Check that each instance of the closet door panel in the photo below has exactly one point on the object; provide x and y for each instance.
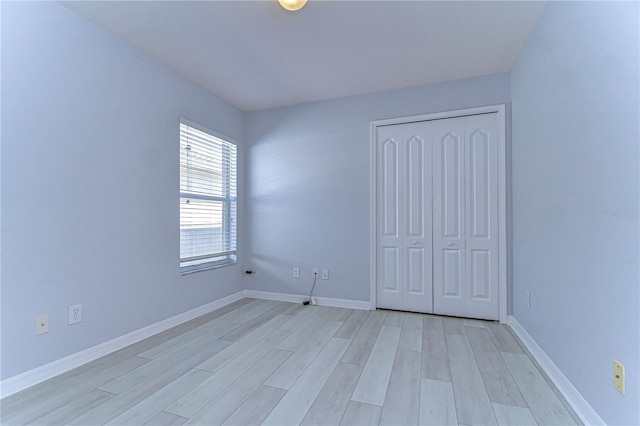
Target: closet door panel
(416, 278)
(482, 215)
(451, 180)
(478, 179)
(418, 289)
(479, 274)
(451, 273)
(389, 199)
(448, 217)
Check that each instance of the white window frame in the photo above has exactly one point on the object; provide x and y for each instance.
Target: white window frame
(215, 258)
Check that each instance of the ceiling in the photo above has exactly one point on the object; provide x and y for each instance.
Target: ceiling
(256, 55)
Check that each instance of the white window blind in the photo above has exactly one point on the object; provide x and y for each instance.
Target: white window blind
(208, 198)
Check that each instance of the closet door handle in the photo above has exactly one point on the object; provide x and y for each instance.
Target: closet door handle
(450, 244)
(415, 242)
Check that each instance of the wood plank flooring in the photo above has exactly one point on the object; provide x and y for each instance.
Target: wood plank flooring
(277, 363)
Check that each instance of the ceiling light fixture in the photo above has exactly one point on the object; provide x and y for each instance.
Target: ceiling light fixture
(292, 5)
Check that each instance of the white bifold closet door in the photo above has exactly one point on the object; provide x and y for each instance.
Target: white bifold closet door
(404, 249)
(437, 217)
(465, 217)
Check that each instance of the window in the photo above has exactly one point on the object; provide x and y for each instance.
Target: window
(208, 199)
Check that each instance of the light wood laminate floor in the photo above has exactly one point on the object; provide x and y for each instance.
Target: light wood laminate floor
(277, 363)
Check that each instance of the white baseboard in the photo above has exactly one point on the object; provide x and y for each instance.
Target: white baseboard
(280, 297)
(37, 375)
(299, 298)
(581, 407)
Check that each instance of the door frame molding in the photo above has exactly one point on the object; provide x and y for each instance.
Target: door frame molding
(502, 193)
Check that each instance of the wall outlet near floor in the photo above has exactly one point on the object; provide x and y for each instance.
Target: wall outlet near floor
(42, 324)
(315, 272)
(324, 274)
(527, 299)
(618, 376)
(296, 272)
(75, 314)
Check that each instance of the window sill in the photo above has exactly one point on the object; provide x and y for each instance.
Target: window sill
(186, 270)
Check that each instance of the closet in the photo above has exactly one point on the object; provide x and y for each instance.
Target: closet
(437, 216)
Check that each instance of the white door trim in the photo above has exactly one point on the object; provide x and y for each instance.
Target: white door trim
(502, 193)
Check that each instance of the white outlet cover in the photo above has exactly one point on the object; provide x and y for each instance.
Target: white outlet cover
(325, 274)
(75, 314)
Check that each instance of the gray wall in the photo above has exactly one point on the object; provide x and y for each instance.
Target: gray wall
(575, 196)
(307, 183)
(90, 185)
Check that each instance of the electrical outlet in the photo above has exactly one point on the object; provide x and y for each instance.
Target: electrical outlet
(324, 274)
(618, 376)
(75, 314)
(527, 299)
(296, 272)
(42, 324)
(315, 272)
